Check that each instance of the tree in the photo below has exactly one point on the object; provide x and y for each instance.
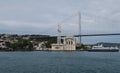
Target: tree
(23, 44)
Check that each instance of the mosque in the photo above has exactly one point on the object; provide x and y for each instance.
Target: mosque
(69, 42)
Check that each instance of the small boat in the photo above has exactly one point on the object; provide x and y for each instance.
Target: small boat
(101, 48)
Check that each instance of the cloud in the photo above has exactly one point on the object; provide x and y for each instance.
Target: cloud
(17, 24)
(25, 27)
(98, 16)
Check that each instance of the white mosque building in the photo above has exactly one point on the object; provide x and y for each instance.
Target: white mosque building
(69, 42)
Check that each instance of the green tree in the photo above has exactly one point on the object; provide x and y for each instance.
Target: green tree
(23, 45)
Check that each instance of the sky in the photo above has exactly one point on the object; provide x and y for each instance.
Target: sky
(43, 16)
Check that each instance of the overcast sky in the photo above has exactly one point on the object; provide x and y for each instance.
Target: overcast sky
(42, 16)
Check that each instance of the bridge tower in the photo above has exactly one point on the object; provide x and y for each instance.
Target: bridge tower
(79, 28)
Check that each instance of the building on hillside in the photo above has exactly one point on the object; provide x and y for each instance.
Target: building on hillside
(40, 46)
(2, 44)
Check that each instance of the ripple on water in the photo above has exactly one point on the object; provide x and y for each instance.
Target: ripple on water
(59, 62)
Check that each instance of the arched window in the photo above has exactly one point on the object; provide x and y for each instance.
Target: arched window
(71, 42)
(67, 42)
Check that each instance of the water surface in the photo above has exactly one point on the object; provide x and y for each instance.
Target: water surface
(59, 62)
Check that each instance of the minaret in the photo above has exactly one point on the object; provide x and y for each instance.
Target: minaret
(59, 34)
(79, 28)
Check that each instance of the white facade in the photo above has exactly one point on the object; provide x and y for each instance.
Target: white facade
(40, 46)
(2, 44)
(57, 47)
(68, 44)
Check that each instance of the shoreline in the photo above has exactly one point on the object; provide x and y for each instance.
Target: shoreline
(64, 51)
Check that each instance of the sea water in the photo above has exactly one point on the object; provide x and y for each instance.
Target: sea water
(59, 62)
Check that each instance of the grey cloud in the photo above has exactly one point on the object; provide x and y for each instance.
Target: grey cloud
(99, 15)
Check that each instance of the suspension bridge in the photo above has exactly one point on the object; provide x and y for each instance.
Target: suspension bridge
(91, 35)
(80, 35)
